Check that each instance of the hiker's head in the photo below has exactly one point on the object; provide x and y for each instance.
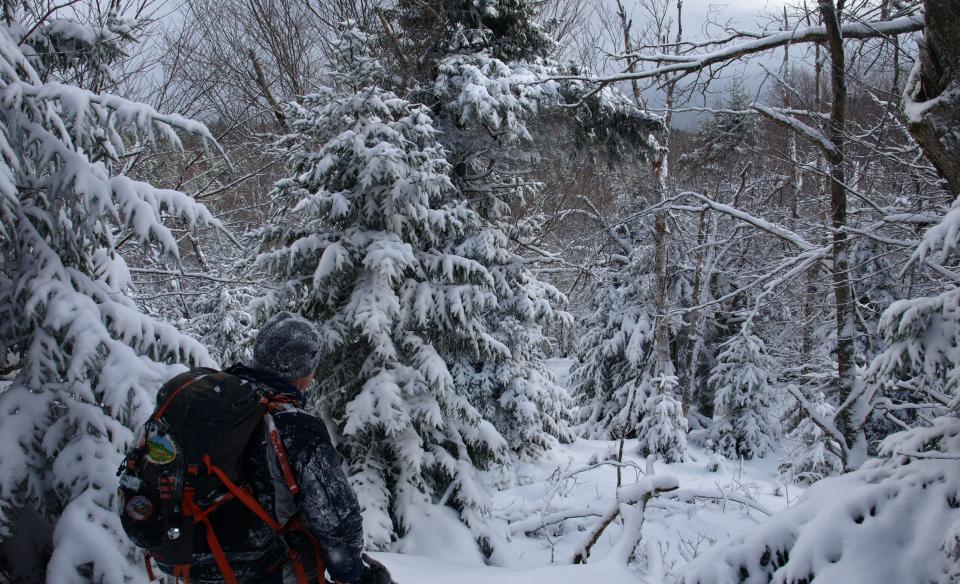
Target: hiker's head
(288, 346)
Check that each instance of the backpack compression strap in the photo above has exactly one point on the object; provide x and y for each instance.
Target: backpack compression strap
(163, 407)
(254, 506)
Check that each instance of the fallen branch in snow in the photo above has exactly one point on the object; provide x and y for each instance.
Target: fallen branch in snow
(630, 502)
(535, 523)
(681, 495)
(619, 465)
(927, 455)
(689, 494)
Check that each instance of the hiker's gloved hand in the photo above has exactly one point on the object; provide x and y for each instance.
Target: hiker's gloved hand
(374, 572)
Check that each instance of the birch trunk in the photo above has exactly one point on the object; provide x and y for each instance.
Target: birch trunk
(855, 447)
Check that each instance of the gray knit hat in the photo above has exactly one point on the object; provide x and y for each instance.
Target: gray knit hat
(287, 346)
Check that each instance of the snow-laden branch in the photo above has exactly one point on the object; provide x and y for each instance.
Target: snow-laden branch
(941, 238)
(824, 423)
(690, 494)
(190, 275)
(809, 132)
(539, 522)
(614, 463)
(746, 112)
(637, 495)
(777, 230)
(689, 64)
(927, 455)
(78, 101)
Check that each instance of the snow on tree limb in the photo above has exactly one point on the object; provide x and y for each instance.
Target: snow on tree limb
(637, 494)
(810, 34)
(776, 230)
(813, 413)
(811, 133)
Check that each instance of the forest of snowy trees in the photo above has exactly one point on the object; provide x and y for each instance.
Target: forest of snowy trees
(738, 233)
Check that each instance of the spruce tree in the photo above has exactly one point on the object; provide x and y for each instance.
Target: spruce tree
(742, 382)
(88, 363)
(377, 245)
(616, 382)
(481, 77)
(811, 454)
(614, 356)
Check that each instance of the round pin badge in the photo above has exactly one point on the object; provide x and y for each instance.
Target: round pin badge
(161, 450)
(139, 508)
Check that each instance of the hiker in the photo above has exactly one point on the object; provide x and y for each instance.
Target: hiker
(232, 481)
(285, 355)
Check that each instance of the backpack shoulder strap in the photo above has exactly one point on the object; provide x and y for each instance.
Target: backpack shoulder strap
(281, 452)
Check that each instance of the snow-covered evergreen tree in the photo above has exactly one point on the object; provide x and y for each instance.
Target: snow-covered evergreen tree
(486, 80)
(224, 324)
(614, 380)
(89, 362)
(503, 29)
(613, 355)
(743, 421)
(663, 427)
(381, 250)
(811, 454)
(515, 391)
(729, 134)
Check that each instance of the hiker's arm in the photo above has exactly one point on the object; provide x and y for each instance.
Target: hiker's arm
(330, 510)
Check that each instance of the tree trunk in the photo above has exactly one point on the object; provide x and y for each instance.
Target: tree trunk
(661, 334)
(695, 336)
(661, 338)
(842, 288)
(932, 94)
(627, 26)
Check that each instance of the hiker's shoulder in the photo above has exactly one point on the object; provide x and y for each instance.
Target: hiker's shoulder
(268, 385)
(294, 421)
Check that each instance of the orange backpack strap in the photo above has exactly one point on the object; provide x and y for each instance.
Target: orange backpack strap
(181, 573)
(146, 560)
(281, 453)
(295, 524)
(243, 496)
(273, 404)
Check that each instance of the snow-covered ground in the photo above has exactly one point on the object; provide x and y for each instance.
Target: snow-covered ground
(573, 481)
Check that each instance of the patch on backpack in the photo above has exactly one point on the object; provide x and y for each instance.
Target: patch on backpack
(161, 450)
(139, 508)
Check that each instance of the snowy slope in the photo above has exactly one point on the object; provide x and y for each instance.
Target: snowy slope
(409, 569)
(572, 481)
(681, 529)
